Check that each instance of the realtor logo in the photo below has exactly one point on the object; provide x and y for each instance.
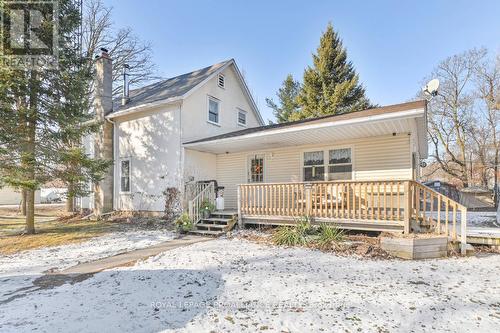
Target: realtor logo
(29, 32)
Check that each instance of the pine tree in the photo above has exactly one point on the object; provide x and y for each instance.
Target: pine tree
(331, 86)
(288, 105)
(46, 115)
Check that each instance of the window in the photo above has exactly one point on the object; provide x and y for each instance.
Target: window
(256, 167)
(314, 168)
(125, 176)
(339, 165)
(213, 110)
(242, 118)
(221, 81)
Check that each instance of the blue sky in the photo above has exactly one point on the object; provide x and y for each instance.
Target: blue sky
(392, 44)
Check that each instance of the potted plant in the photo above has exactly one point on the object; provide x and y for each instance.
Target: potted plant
(184, 224)
(207, 208)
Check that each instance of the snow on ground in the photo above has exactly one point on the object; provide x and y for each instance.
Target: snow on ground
(19, 270)
(238, 286)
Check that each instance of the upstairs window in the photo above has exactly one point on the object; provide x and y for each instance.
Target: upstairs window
(221, 81)
(242, 118)
(213, 110)
(125, 176)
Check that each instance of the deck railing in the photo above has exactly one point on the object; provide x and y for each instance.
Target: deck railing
(207, 193)
(392, 202)
(435, 210)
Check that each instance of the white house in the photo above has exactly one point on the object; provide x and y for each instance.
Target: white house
(360, 169)
(150, 125)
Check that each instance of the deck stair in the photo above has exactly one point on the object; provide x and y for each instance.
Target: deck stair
(217, 224)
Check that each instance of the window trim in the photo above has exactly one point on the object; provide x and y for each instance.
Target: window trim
(125, 159)
(238, 117)
(223, 79)
(326, 160)
(218, 101)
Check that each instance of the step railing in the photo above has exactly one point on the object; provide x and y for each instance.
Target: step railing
(438, 212)
(206, 194)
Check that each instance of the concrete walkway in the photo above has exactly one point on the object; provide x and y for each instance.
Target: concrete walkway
(129, 258)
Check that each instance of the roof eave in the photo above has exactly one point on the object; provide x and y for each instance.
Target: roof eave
(386, 116)
(143, 107)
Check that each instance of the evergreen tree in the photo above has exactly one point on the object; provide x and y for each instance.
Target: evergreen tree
(331, 86)
(288, 105)
(45, 116)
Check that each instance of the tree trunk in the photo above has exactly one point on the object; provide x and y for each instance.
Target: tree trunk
(23, 202)
(70, 200)
(30, 211)
(495, 186)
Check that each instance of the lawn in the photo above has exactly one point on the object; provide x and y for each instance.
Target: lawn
(50, 230)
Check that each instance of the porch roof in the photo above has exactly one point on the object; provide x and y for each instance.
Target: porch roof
(399, 118)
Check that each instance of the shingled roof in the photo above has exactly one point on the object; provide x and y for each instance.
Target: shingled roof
(171, 88)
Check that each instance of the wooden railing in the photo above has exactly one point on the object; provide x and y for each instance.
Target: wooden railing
(393, 201)
(207, 193)
(437, 212)
(360, 200)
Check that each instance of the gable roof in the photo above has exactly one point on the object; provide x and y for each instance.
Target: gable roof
(177, 88)
(331, 118)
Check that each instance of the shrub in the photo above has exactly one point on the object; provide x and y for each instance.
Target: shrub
(184, 223)
(329, 234)
(296, 235)
(289, 236)
(207, 206)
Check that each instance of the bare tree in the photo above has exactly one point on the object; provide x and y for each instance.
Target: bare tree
(451, 116)
(487, 78)
(123, 45)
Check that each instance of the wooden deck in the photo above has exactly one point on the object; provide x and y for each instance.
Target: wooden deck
(392, 205)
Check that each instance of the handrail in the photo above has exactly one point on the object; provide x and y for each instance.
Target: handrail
(194, 205)
(428, 206)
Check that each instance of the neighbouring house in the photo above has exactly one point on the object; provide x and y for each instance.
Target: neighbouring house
(473, 197)
(360, 170)
(477, 198)
(448, 189)
(12, 196)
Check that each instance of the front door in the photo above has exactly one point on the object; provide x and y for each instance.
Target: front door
(256, 168)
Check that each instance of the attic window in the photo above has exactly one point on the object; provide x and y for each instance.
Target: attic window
(221, 81)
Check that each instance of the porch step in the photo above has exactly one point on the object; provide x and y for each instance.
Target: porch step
(217, 224)
(210, 226)
(216, 219)
(224, 213)
(206, 232)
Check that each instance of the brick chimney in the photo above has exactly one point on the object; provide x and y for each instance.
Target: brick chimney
(103, 149)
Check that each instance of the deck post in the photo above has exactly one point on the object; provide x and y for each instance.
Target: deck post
(407, 207)
(463, 231)
(240, 220)
(308, 193)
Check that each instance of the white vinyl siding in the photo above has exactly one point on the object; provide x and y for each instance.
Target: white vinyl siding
(376, 158)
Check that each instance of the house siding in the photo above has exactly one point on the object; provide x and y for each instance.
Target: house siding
(151, 141)
(374, 158)
(231, 98)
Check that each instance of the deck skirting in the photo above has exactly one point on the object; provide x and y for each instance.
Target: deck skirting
(351, 224)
